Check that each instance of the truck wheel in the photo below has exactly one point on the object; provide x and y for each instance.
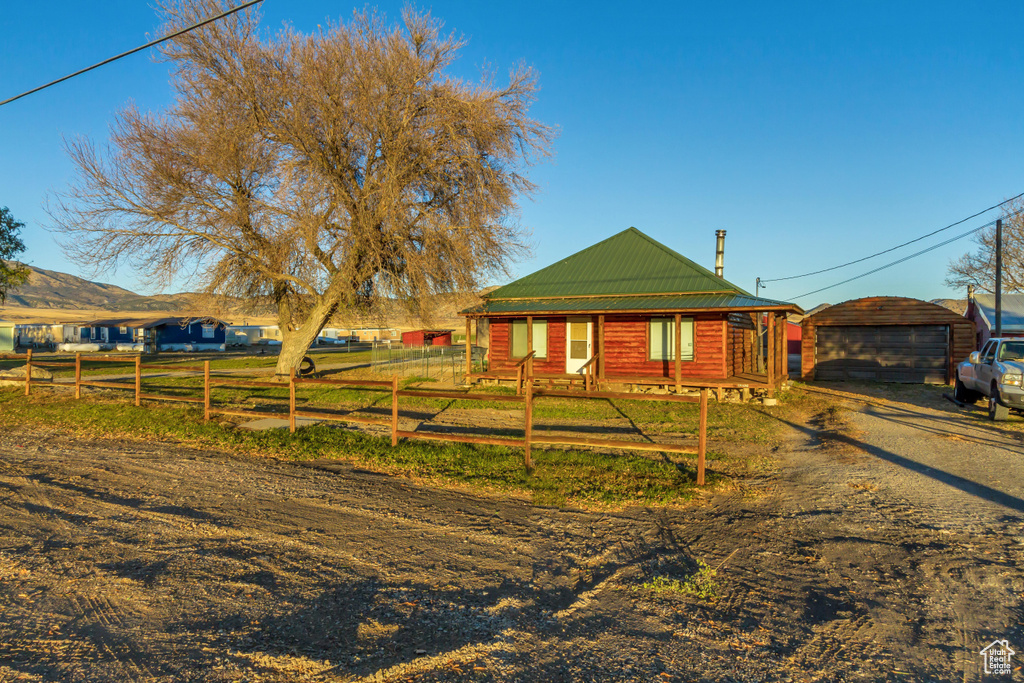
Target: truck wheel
(997, 412)
(962, 393)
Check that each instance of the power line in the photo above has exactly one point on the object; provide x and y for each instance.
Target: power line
(204, 22)
(899, 246)
(899, 261)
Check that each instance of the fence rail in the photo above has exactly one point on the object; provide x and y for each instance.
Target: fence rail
(525, 394)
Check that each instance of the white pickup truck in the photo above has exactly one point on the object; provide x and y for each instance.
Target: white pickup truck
(996, 373)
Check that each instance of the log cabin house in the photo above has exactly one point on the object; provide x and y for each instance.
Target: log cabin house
(630, 311)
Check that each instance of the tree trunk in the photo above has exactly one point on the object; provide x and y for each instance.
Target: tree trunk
(295, 343)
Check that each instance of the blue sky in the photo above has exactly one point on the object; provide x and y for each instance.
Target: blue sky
(814, 133)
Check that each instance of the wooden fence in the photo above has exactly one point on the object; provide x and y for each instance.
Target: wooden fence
(527, 395)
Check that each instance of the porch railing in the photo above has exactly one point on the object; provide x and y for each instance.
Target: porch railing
(589, 379)
(524, 372)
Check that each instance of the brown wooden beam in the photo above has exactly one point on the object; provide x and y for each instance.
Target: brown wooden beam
(613, 443)
(625, 396)
(702, 436)
(469, 348)
(679, 351)
(529, 347)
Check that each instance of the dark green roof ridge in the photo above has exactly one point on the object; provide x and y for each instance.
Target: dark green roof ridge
(626, 263)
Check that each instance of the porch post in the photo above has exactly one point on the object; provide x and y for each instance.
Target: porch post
(600, 349)
(469, 350)
(679, 352)
(771, 352)
(529, 347)
(783, 349)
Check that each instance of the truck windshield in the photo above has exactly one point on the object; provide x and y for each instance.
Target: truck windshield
(1012, 350)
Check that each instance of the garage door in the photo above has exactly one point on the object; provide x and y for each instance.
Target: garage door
(887, 353)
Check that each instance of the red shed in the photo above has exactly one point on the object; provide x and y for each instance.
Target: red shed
(427, 338)
(637, 313)
(794, 335)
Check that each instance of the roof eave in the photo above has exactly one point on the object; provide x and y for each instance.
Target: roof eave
(789, 308)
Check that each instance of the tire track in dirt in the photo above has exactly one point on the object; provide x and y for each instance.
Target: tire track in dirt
(217, 568)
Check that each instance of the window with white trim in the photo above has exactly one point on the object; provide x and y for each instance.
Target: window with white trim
(663, 339)
(208, 331)
(517, 341)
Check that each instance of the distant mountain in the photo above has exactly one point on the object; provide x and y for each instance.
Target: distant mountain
(958, 306)
(50, 289)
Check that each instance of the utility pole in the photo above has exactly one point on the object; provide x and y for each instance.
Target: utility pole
(999, 277)
(760, 323)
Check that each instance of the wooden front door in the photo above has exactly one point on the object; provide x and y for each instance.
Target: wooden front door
(579, 339)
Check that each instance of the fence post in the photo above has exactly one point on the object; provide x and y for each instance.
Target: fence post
(394, 410)
(291, 400)
(138, 381)
(527, 459)
(702, 436)
(78, 375)
(469, 351)
(28, 372)
(206, 391)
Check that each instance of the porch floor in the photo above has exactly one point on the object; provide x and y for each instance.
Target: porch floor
(741, 381)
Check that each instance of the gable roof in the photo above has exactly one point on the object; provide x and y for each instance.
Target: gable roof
(1012, 319)
(627, 271)
(628, 263)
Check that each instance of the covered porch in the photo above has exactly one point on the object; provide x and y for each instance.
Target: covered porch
(674, 351)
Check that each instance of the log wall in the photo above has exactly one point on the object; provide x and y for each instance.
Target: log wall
(742, 331)
(499, 352)
(626, 348)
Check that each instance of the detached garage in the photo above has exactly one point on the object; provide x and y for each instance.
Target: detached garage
(885, 339)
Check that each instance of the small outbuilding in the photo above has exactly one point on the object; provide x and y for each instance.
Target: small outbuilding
(981, 308)
(885, 339)
(427, 338)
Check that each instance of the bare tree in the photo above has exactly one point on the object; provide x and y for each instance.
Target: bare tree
(979, 268)
(323, 173)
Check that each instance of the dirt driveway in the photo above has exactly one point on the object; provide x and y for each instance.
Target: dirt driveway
(888, 547)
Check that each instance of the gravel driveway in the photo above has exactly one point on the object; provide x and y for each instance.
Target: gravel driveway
(887, 547)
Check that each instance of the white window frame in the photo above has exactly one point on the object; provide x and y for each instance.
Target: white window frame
(209, 331)
(540, 337)
(661, 332)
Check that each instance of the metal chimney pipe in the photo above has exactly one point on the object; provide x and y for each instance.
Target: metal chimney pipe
(719, 253)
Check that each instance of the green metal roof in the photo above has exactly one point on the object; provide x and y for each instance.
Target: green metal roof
(626, 272)
(678, 303)
(627, 263)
